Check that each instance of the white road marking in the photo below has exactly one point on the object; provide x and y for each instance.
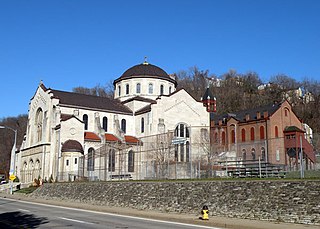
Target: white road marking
(74, 220)
(116, 215)
(23, 210)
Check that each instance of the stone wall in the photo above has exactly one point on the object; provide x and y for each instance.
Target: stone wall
(283, 201)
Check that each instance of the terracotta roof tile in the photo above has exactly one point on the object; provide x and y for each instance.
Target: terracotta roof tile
(91, 136)
(111, 138)
(131, 139)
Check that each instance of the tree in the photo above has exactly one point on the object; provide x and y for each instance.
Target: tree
(7, 139)
(102, 91)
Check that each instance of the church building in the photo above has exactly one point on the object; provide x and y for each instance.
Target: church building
(74, 136)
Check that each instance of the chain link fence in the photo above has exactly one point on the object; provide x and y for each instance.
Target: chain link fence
(196, 156)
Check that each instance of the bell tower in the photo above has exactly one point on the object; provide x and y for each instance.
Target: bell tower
(209, 101)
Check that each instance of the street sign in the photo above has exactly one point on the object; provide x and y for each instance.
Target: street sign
(177, 141)
(12, 177)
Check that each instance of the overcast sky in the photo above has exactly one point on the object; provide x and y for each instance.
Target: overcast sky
(70, 43)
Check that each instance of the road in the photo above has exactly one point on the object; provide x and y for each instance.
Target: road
(23, 214)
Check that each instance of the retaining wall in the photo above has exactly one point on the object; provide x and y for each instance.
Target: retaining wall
(282, 201)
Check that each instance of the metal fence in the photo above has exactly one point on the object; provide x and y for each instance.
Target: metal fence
(166, 156)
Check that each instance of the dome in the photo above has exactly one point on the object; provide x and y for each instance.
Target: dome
(145, 70)
(72, 146)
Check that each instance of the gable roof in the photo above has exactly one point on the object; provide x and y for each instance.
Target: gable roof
(241, 115)
(90, 102)
(139, 98)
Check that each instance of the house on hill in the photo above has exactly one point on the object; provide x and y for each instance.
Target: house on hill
(265, 136)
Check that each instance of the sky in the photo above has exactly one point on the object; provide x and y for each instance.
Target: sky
(72, 43)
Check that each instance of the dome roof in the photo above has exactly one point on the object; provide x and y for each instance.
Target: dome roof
(72, 146)
(145, 70)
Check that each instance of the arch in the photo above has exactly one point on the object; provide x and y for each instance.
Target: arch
(39, 124)
(131, 161)
(150, 88)
(161, 89)
(253, 154)
(182, 130)
(176, 155)
(105, 124)
(216, 137)
(286, 112)
(262, 132)
(182, 152)
(223, 138)
(187, 151)
(123, 125)
(85, 121)
(91, 159)
(243, 135)
(112, 160)
(263, 153)
(72, 146)
(244, 155)
(252, 133)
(142, 125)
(276, 132)
(127, 89)
(233, 136)
(138, 88)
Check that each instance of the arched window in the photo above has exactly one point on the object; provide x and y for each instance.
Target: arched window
(286, 112)
(112, 160)
(123, 125)
(263, 153)
(119, 90)
(161, 89)
(170, 90)
(176, 147)
(252, 134)
(127, 89)
(181, 152)
(187, 151)
(131, 161)
(105, 123)
(244, 155)
(138, 88)
(276, 132)
(142, 125)
(233, 136)
(261, 132)
(39, 120)
(181, 131)
(85, 121)
(253, 154)
(216, 137)
(150, 88)
(223, 138)
(90, 164)
(243, 135)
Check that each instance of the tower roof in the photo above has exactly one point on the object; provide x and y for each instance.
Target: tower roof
(145, 70)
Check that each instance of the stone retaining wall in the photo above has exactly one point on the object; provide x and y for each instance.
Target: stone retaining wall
(283, 201)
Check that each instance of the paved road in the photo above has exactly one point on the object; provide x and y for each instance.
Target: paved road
(23, 214)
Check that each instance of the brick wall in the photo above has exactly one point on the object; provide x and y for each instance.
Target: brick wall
(282, 201)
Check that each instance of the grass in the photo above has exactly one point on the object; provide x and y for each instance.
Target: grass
(26, 190)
